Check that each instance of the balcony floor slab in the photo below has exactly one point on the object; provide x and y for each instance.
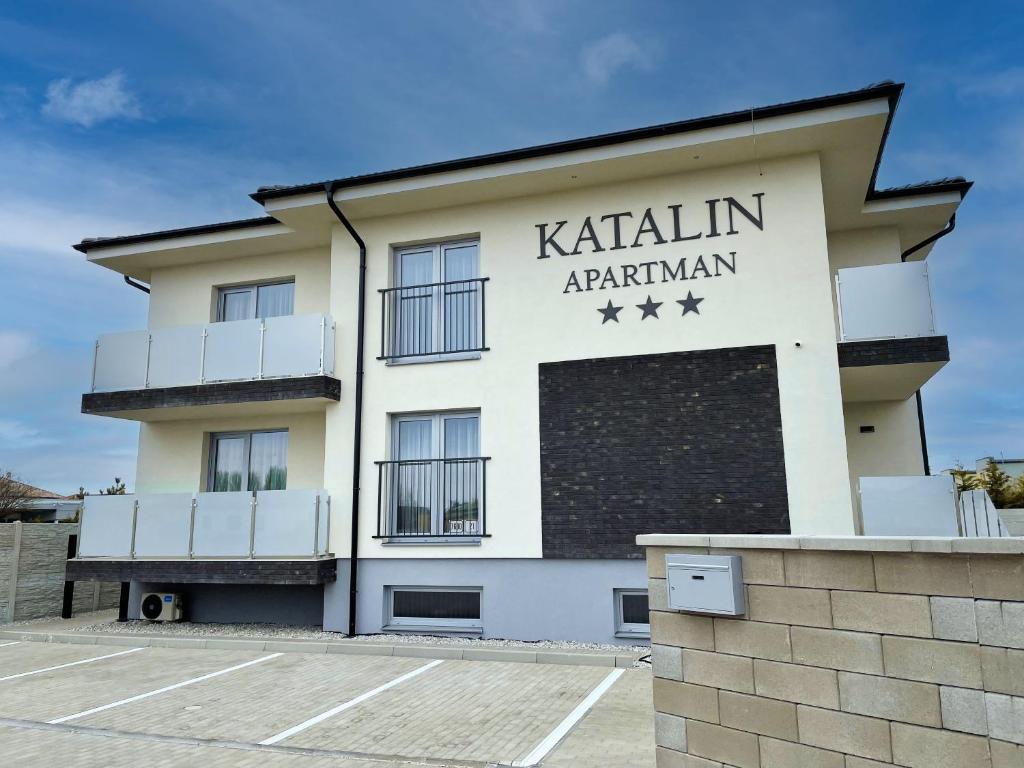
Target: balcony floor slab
(294, 572)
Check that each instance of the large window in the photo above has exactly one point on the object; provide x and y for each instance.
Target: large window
(433, 486)
(248, 302)
(435, 307)
(632, 613)
(456, 608)
(249, 461)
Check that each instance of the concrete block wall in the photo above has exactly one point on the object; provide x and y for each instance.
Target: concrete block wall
(854, 653)
(32, 562)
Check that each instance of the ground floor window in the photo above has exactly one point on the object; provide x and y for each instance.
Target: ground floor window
(632, 613)
(248, 461)
(456, 608)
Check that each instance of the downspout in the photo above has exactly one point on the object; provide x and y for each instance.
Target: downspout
(950, 226)
(134, 284)
(357, 441)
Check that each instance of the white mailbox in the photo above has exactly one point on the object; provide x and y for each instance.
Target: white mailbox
(705, 584)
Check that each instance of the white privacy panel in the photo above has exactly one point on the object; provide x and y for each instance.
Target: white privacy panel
(285, 523)
(885, 301)
(291, 345)
(979, 516)
(232, 351)
(908, 506)
(223, 522)
(106, 528)
(175, 356)
(121, 361)
(324, 530)
(329, 341)
(162, 524)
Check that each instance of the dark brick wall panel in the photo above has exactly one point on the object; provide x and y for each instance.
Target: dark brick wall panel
(206, 571)
(686, 442)
(265, 390)
(926, 349)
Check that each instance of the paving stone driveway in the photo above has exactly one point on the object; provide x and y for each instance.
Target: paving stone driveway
(96, 705)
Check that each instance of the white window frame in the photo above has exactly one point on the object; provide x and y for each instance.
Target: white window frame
(623, 629)
(408, 623)
(211, 469)
(437, 420)
(438, 314)
(253, 289)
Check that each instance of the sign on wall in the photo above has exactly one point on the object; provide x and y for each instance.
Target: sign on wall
(660, 228)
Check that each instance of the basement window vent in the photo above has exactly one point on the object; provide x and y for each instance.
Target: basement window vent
(632, 613)
(444, 608)
(867, 429)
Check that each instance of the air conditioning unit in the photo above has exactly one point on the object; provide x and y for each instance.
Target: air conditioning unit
(161, 606)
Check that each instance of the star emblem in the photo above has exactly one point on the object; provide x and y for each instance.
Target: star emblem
(610, 312)
(689, 304)
(649, 308)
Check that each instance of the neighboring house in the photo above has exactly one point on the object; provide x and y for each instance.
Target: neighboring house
(1012, 467)
(43, 506)
(447, 398)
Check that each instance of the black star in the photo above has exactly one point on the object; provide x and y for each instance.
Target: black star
(610, 312)
(650, 308)
(689, 304)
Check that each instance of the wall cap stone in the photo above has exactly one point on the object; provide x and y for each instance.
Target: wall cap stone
(995, 546)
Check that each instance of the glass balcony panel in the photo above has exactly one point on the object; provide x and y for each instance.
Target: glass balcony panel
(162, 524)
(232, 351)
(291, 346)
(222, 524)
(106, 528)
(121, 361)
(176, 356)
(286, 523)
(885, 301)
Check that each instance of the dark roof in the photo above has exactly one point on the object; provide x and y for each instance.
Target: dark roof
(166, 234)
(888, 89)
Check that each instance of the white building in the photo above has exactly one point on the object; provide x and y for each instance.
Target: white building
(450, 396)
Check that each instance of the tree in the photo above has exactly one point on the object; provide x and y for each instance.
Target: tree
(13, 494)
(997, 483)
(965, 479)
(117, 489)
(1015, 494)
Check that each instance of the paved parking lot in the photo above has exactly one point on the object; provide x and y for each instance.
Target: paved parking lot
(107, 705)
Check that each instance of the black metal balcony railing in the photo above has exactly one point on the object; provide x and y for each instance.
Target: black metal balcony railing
(432, 498)
(433, 319)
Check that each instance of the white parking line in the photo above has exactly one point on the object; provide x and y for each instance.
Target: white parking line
(4, 645)
(71, 664)
(347, 705)
(165, 689)
(552, 739)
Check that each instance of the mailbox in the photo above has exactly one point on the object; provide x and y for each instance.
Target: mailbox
(705, 584)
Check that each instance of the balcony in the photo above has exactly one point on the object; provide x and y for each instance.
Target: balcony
(433, 321)
(888, 344)
(262, 537)
(432, 501)
(155, 374)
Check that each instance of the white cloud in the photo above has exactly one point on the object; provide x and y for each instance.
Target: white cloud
(13, 347)
(91, 101)
(603, 58)
(19, 434)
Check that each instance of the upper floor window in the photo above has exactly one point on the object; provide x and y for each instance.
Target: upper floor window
(248, 302)
(436, 306)
(249, 461)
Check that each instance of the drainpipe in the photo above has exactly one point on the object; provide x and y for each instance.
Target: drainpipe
(950, 226)
(134, 284)
(358, 427)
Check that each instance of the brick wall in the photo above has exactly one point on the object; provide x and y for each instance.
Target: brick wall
(36, 561)
(685, 441)
(854, 653)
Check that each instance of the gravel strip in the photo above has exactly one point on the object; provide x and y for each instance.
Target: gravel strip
(277, 631)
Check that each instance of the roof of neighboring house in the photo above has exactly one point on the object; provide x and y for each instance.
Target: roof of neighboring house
(30, 491)
(887, 89)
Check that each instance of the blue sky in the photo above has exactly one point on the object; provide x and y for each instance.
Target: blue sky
(126, 117)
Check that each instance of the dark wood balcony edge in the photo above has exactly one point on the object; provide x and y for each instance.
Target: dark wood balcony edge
(264, 390)
(924, 349)
(319, 571)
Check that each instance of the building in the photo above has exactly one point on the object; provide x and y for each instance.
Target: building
(464, 388)
(1012, 467)
(37, 505)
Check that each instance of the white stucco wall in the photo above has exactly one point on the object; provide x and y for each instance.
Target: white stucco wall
(779, 295)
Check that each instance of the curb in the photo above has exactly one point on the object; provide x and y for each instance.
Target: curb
(517, 655)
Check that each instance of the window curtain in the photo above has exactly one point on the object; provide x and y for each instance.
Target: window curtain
(268, 461)
(228, 463)
(237, 305)
(275, 300)
(460, 494)
(461, 298)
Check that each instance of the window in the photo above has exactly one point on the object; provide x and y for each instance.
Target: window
(435, 307)
(632, 616)
(248, 302)
(449, 607)
(249, 461)
(433, 486)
